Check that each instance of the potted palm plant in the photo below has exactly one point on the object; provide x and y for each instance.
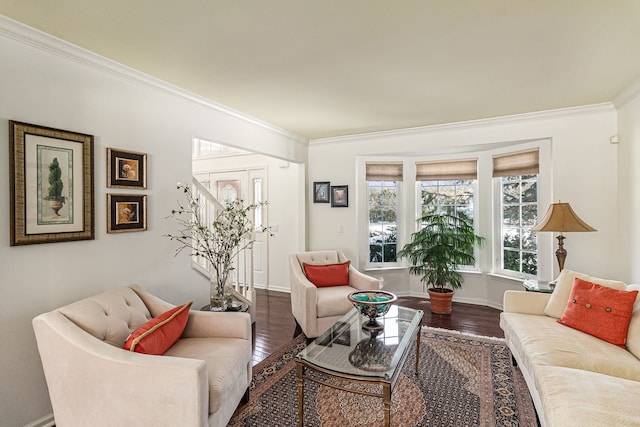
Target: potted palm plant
(445, 242)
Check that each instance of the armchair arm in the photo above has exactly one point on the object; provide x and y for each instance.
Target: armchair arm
(361, 281)
(525, 302)
(304, 296)
(82, 370)
(223, 325)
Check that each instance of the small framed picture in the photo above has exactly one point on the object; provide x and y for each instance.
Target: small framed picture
(321, 192)
(126, 212)
(339, 196)
(126, 169)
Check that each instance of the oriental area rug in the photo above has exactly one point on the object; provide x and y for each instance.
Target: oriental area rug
(463, 380)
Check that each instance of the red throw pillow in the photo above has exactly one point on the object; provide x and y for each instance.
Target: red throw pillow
(599, 311)
(327, 275)
(160, 333)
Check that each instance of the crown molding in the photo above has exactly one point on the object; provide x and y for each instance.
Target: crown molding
(53, 45)
(629, 93)
(494, 121)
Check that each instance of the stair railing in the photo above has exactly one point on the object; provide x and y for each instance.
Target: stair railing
(241, 283)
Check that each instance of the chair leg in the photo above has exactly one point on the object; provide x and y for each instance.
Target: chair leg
(245, 398)
(298, 330)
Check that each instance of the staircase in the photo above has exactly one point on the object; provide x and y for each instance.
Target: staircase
(241, 282)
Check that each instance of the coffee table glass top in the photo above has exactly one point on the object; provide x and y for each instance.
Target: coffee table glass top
(347, 348)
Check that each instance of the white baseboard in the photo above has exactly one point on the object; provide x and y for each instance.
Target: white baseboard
(46, 421)
(275, 288)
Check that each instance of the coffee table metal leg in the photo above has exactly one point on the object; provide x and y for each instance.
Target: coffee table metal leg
(299, 369)
(417, 350)
(386, 396)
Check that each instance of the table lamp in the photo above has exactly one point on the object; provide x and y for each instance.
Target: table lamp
(561, 218)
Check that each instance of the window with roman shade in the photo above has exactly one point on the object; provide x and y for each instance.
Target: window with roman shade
(383, 179)
(518, 176)
(448, 186)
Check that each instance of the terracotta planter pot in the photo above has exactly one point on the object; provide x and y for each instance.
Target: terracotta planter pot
(440, 301)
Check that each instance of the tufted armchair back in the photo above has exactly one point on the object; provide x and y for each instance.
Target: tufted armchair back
(110, 316)
(321, 257)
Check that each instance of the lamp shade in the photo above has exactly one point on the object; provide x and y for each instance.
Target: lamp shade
(560, 217)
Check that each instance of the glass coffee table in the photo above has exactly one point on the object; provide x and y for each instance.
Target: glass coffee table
(351, 353)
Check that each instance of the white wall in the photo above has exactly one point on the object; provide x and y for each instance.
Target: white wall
(583, 173)
(628, 104)
(46, 82)
(285, 190)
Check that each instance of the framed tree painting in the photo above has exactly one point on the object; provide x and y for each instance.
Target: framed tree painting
(321, 192)
(126, 169)
(126, 212)
(52, 185)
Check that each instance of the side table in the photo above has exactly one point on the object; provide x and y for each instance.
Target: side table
(235, 305)
(538, 286)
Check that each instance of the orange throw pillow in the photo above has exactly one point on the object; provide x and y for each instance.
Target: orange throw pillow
(599, 311)
(328, 275)
(160, 333)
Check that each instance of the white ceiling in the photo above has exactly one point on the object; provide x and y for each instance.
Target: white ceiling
(338, 67)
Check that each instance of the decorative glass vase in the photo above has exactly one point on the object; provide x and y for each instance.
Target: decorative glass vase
(217, 297)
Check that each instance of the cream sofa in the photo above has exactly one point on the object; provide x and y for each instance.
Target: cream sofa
(575, 379)
(316, 309)
(92, 381)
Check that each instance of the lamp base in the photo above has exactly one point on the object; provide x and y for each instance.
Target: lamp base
(561, 252)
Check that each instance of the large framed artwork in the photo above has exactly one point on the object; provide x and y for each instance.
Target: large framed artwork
(126, 169)
(126, 212)
(52, 185)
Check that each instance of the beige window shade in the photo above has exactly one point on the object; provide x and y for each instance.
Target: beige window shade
(521, 163)
(455, 169)
(384, 171)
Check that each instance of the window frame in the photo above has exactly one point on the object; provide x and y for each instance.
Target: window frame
(383, 264)
(499, 267)
(476, 216)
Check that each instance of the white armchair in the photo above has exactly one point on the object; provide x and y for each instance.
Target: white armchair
(93, 381)
(317, 308)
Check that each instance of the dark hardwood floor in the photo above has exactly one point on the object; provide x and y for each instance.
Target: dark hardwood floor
(275, 325)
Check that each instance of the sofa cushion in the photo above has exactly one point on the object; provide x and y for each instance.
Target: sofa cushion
(599, 311)
(160, 333)
(560, 296)
(327, 275)
(572, 397)
(542, 341)
(333, 301)
(226, 360)
(633, 334)
(110, 316)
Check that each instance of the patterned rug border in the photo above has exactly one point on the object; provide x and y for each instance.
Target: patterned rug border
(460, 333)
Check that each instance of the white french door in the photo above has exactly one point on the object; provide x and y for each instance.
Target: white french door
(251, 186)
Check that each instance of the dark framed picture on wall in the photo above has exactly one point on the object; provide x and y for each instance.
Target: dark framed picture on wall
(126, 212)
(51, 191)
(339, 196)
(321, 192)
(126, 169)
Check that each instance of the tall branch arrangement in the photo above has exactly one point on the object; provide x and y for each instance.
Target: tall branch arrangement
(219, 242)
